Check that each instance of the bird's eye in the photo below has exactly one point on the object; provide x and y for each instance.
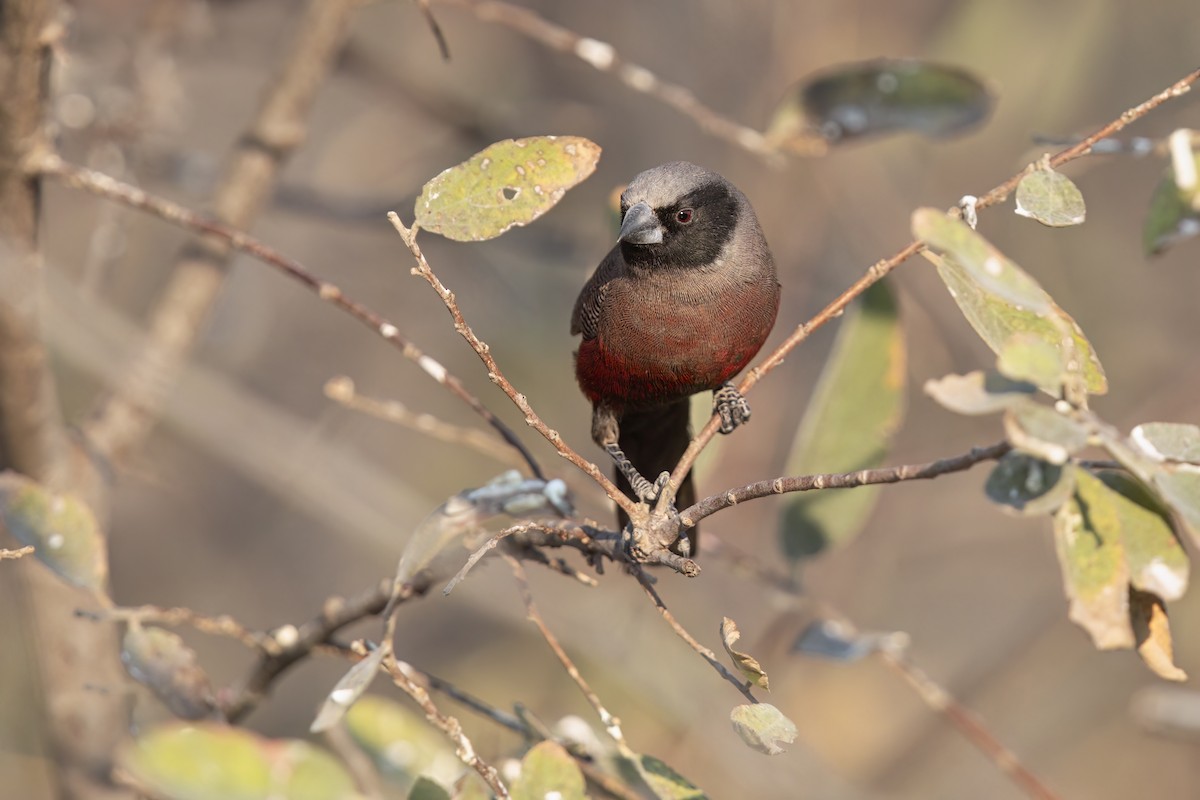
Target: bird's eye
(684, 216)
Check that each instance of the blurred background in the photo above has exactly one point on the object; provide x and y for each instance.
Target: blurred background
(258, 497)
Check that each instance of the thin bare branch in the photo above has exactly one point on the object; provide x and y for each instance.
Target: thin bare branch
(481, 348)
(611, 723)
(447, 724)
(880, 269)
(51, 165)
(342, 390)
(682, 633)
(845, 480)
(603, 57)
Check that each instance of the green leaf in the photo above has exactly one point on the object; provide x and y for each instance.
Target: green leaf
(1173, 441)
(548, 769)
(1050, 198)
(978, 392)
(399, 741)
(1113, 537)
(665, 782)
(507, 184)
(1043, 432)
(746, 664)
(1174, 213)
(1029, 485)
(763, 727)
(1026, 357)
(857, 405)
(347, 691)
(1161, 444)
(181, 761)
(999, 299)
(60, 527)
(426, 789)
(875, 97)
(160, 660)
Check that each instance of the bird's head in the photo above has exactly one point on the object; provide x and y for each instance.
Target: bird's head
(680, 216)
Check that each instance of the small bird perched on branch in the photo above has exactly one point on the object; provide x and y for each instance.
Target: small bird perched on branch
(679, 306)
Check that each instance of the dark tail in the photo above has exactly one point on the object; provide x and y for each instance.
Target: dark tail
(654, 439)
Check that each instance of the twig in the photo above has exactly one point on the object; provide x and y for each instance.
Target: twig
(342, 390)
(603, 57)
(481, 348)
(290, 644)
(52, 165)
(18, 553)
(435, 29)
(845, 480)
(120, 423)
(682, 633)
(484, 549)
(964, 720)
(447, 724)
(224, 625)
(878, 270)
(611, 723)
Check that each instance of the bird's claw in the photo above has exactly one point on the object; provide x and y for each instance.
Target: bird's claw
(731, 407)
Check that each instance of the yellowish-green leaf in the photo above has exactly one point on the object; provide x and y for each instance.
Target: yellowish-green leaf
(507, 184)
(1157, 561)
(347, 691)
(856, 407)
(747, 664)
(1029, 358)
(763, 727)
(60, 527)
(1153, 633)
(548, 770)
(978, 392)
(1050, 198)
(876, 97)
(182, 761)
(400, 742)
(160, 660)
(1043, 432)
(666, 783)
(427, 789)
(1029, 485)
(999, 299)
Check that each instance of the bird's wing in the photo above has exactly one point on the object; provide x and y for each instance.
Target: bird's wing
(586, 316)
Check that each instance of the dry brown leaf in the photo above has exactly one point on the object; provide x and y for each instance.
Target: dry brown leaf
(747, 664)
(1153, 631)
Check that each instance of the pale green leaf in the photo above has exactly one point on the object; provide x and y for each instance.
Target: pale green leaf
(665, 782)
(999, 299)
(1043, 432)
(507, 184)
(181, 761)
(978, 392)
(857, 405)
(347, 691)
(1050, 198)
(763, 727)
(400, 741)
(426, 789)
(1157, 561)
(1030, 358)
(548, 770)
(60, 527)
(1173, 441)
(1029, 485)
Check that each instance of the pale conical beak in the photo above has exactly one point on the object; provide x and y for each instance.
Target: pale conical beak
(640, 226)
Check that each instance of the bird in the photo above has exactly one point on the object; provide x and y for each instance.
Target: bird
(682, 302)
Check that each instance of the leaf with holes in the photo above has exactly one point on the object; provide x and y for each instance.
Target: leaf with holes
(855, 409)
(548, 770)
(60, 527)
(161, 661)
(999, 299)
(507, 184)
(763, 727)
(747, 664)
(1050, 198)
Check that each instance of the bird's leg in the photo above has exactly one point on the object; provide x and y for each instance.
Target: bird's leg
(730, 406)
(646, 491)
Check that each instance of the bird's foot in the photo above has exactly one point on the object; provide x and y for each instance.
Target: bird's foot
(646, 491)
(730, 406)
